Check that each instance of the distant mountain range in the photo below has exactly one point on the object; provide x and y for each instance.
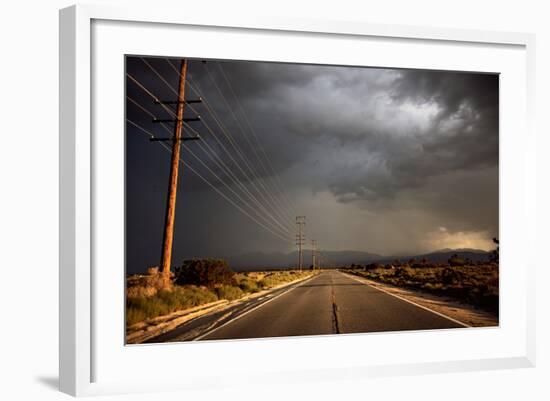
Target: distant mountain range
(443, 255)
(261, 260)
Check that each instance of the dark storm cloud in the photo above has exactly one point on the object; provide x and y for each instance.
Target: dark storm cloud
(415, 148)
(373, 135)
(360, 111)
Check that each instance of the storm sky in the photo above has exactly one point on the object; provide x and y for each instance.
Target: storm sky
(390, 161)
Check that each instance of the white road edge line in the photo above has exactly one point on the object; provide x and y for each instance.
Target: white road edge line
(407, 300)
(252, 310)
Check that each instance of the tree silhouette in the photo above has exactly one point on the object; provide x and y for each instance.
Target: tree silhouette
(494, 256)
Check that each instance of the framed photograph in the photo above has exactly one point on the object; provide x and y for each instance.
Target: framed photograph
(295, 197)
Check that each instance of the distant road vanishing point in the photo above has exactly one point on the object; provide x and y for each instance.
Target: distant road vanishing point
(328, 303)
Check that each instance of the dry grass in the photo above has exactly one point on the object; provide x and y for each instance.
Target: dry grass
(273, 279)
(164, 302)
(144, 302)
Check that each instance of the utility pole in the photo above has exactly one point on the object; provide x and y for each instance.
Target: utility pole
(300, 238)
(319, 258)
(313, 250)
(177, 139)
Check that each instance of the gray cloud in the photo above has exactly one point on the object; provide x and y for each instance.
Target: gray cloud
(416, 148)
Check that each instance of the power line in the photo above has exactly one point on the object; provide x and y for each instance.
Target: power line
(210, 152)
(275, 202)
(228, 136)
(285, 229)
(300, 238)
(270, 199)
(313, 253)
(282, 231)
(150, 134)
(242, 157)
(243, 132)
(273, 176)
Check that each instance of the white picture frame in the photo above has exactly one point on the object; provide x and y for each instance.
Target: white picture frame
(83, 352)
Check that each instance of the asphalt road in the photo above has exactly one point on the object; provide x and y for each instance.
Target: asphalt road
(329, 303)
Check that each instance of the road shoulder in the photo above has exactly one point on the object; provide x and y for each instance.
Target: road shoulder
(446, 306)
(143, 331)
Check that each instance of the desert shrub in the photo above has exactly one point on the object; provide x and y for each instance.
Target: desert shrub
(146, 285)
(423, 264)
(248, 285)
(494, 257)
(492, 280)
(455, 260)
(475, 284)
(180, 298)
(165, 302)
(449, 276)
(134, 315)
(206, 272)
(216, 280)
(268, 281)
(229, 292)
(277, 278)
(145, 308)
(140, 291)
(484, 296)
(404, 272)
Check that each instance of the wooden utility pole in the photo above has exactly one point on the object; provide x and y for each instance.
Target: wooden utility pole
(313, 250)
(173, 182)
(300, 238)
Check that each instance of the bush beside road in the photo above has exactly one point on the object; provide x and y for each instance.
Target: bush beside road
(197, 282)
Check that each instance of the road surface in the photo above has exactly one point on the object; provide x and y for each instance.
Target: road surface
(329, 303)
